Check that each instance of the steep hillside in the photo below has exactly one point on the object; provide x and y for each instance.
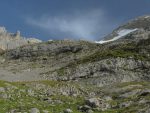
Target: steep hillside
(66, 76)
(83, 61)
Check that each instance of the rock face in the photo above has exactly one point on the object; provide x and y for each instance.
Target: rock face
(11, 40)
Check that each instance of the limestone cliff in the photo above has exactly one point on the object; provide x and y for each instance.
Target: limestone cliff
(14, 40)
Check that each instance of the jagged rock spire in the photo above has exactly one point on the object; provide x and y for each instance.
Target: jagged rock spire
(3, 30)
(13, 40)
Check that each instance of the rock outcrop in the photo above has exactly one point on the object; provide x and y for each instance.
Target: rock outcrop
(13, 40)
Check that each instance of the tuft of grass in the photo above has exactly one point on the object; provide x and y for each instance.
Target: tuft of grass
(61, 72)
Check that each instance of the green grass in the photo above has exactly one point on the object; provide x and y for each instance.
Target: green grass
(21, 101)
(61, 72)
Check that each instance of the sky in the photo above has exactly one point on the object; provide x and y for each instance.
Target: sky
(69, 19)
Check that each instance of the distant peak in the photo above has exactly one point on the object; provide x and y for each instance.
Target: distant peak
(146, 16)
(120, 34)
(138, 27)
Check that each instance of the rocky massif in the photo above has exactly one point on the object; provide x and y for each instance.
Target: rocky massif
(66, 76)
(13, 40)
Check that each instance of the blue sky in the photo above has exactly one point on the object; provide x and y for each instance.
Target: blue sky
(75, 19)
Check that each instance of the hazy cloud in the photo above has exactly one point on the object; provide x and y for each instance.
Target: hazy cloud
(89, 25)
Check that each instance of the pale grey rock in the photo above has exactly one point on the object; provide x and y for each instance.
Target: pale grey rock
(45, 111)
(48, 100)
(90, 111)
(125, 104)
(13, 111)
(84, 108)
(2, 89)
(13, 40)
(34, 110)
(144, 110)
(144, 92)
(30, 92)
(131, 93)
(93, 102)
(68, 111)
(144, 101)
(107, 98)
(4, 96)
(97, 103)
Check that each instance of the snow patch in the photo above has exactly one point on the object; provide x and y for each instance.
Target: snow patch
(34, 40)
(147, 17)
(50, 40)
(120, 33)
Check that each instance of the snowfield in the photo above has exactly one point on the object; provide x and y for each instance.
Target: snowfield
(147, 17)
(120, 33)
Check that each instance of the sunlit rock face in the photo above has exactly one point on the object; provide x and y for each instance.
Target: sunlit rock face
(14, 40)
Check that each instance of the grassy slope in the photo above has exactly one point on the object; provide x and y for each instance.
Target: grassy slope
(22, 101)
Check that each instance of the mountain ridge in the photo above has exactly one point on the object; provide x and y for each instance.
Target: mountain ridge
(139, 24)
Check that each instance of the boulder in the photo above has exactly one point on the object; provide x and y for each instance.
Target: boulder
(2, 89)
(68, 111)
(34, 110)
(93, 102)
(84, 108)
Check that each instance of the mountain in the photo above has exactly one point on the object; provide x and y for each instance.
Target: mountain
(139, 28)
(14, 40)
(67, 76)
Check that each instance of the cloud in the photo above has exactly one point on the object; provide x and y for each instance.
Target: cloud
(89, 25)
